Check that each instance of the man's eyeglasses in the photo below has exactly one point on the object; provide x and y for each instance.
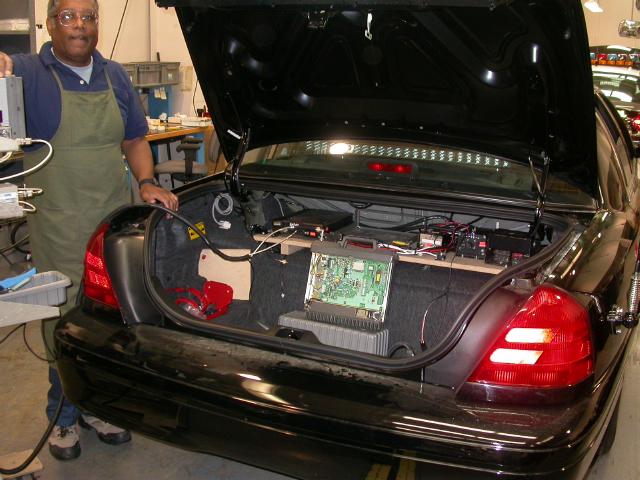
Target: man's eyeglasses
(68, 17)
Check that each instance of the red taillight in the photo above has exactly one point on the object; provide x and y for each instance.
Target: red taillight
(97, 284)
(401, 168)
(635, 124)
(546, 344)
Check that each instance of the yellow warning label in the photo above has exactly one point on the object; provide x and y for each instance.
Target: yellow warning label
(192, 233)
(406, 470)
(378, 472)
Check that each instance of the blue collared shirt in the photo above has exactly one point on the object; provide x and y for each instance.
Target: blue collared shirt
(43, 104)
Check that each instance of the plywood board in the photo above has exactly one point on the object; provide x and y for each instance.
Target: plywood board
(236, 274)
(451, 261)
(14, 313)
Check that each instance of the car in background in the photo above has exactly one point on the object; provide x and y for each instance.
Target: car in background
(616, 71)
(622, 86)
(420, 263)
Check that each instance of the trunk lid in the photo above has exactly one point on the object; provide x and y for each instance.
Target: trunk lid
(505, 78)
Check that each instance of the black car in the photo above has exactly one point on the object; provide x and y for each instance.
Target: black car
(421, 260)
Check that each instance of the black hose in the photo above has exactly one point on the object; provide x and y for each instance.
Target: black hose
(36, 451)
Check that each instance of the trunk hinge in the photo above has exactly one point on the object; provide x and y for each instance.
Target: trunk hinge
(235, 184)
(243, 137)
(541, 187)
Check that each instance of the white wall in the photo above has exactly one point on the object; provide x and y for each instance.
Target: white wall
(167, 39)
(147, 29)
(603, 27)
(134, 40)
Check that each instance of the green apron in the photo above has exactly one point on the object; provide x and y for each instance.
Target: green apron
(84, 181)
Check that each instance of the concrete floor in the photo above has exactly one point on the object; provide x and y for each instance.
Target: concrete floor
(23, 396)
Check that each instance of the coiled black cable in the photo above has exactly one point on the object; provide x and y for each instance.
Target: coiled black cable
(242, 258)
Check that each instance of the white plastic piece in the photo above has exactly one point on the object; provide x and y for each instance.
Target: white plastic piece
(9, 201)
(9, 145)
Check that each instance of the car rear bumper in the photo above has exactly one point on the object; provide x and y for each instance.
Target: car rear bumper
(306, 419)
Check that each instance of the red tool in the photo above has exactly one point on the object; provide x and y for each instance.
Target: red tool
(213, 301)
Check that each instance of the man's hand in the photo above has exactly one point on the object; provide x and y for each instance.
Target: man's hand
(6, 65)
(138, 155)
(152, 194)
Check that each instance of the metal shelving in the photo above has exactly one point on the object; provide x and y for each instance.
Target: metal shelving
(17, 26)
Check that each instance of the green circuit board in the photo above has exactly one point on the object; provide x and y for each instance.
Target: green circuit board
(347, 281)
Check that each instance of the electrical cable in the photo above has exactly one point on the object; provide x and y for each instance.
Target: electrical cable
(5, 157)
(27, 207)
(229, 258)
(445, 293)
(115, 42)
(37, 167)
(280, 205)
(26, 344)
(4, 339)
(38, 447)
(29, 192)
(193, 99)
(14, 233)
(6, 259)
(227, 211)
(14, 245)
(242, 258)
(256, 251)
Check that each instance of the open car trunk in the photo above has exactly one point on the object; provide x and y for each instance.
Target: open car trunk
(361, 290)
(441, 129)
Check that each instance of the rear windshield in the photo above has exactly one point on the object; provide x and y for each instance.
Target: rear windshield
(618, 86)
(408, 165)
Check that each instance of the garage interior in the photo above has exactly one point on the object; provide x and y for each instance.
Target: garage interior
(150, 34)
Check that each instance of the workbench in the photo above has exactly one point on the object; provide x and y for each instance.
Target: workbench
(173, 133)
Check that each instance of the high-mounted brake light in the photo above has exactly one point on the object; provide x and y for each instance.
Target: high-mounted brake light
(548, 343)
(97, 284)
(401, 168)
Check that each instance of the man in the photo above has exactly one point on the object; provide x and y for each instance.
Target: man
(87, 108)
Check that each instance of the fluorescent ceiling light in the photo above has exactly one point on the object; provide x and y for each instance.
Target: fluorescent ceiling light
(593, 6)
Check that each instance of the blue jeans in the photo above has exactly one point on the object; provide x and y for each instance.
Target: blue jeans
(69, 413)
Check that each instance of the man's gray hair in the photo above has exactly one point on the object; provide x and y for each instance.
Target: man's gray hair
(52, 9)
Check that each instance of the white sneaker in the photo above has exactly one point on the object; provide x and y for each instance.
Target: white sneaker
(107, 433)
(64, 443)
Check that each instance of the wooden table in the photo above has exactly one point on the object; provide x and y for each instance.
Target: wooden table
(174, 132)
